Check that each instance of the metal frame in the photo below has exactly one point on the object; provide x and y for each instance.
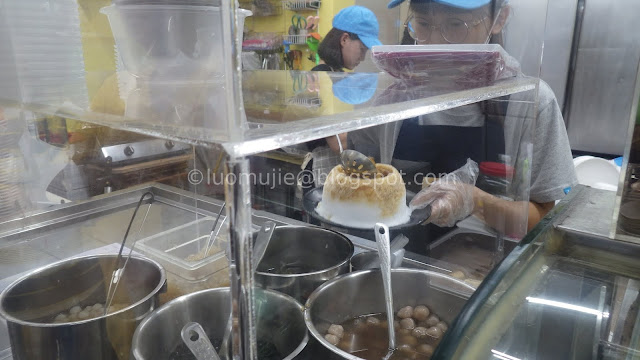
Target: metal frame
(622, 183)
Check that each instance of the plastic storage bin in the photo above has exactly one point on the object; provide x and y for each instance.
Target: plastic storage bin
(465, 65)
(170, 42)
(181, 252)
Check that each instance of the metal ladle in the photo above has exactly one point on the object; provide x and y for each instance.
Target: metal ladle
(198, 342)
(384, 251)
(354, 162)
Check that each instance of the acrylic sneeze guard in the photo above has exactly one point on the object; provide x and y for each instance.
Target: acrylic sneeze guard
(101, 102)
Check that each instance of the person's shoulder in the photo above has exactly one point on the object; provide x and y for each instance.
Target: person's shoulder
(545, 94)
(322, 67)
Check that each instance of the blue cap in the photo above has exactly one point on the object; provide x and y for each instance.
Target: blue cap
(460, 4)
(360, 21)
(356, 88)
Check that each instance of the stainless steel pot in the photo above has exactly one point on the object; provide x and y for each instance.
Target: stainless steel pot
(301, 258)
(30, 304)
(361, 293)
(280, 323)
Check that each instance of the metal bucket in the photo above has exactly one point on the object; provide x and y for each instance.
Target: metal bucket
(362, 293)
(301, 258)
(280, 323)
(32, 302)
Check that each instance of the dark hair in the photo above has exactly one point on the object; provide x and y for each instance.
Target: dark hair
(494, 7)
(497, 38)
(406, 38)
(330, 50)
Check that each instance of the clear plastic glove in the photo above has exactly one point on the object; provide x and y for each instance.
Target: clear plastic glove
(450, 197)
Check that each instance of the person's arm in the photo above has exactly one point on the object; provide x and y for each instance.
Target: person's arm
(552, 170)
(506, 216)
(332, 141)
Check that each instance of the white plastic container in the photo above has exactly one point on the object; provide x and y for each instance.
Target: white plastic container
(170, 42)
(181, 252)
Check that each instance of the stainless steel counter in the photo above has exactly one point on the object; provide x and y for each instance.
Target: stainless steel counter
(568, 291)
(99, 223)
(590, 213)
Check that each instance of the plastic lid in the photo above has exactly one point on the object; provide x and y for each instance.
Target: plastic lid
(618, 161)
(496, 169)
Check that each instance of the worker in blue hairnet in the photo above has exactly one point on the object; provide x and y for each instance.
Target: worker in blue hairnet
(488, 133)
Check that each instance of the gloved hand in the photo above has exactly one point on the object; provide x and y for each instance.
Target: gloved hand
(451, 197)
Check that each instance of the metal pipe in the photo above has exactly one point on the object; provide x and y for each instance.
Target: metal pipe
(238, 198)
(573, 59)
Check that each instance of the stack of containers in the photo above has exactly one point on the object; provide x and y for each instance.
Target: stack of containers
(174, 52)
(41, 63)
(13, 173)
(41, 60)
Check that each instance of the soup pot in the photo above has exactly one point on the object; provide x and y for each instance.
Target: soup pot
(362, 293)
(301, 258)
(31, 303)
(280, 324)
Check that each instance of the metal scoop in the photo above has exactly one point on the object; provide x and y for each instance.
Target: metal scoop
(354, 162)
(118, 267)
(384, 252)
(198, 342)
(214, 234)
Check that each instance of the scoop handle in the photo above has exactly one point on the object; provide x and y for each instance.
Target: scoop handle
(384, 252)
(262, 242)
(198, 342)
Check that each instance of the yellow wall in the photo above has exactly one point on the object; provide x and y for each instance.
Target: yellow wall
(281, 84)
(98, 49)
(280, 24)
(97, 43)
(328, 9)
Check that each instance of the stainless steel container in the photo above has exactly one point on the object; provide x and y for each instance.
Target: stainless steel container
(361, 293)
(30, 304)
(279, 317)
(301, 258)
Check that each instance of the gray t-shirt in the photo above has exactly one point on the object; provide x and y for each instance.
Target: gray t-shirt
(552, 169)
(538, 144)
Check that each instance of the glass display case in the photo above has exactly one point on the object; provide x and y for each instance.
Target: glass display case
(130, 129)
(566, 291)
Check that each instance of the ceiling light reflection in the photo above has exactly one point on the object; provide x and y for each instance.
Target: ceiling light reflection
(503, 356)
(563, 305)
